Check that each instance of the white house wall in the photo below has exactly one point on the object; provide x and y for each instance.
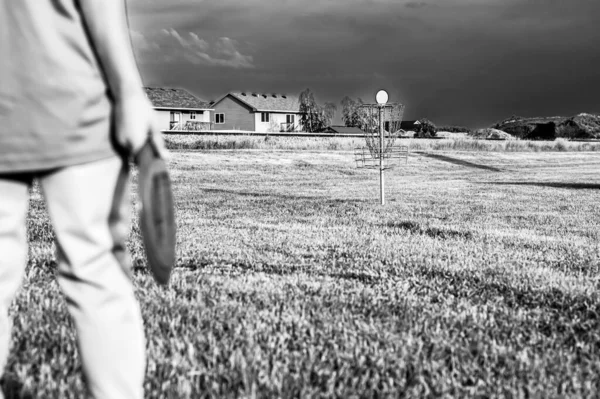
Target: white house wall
(275, 121)
(163, 117)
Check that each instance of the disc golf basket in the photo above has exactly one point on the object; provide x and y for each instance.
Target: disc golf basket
(381, 124)
(392, 157)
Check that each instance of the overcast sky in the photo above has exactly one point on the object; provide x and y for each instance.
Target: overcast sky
(466, 62)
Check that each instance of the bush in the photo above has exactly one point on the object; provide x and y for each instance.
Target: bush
(491, 134)
(425, 129)
(570, 131)
(561, 144)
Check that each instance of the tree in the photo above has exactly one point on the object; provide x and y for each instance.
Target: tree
(329, 112)
(313, 117)
(426, 128)
(308, 110)
(351, 112)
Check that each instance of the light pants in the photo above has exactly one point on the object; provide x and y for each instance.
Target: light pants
(90, 211)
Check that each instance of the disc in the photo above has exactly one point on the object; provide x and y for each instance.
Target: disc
(157, 216)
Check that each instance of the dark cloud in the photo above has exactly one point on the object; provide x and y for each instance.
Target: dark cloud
(467, 62)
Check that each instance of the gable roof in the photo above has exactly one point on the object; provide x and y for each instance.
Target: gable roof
(260, 102)
(174, 98)
(344, 129)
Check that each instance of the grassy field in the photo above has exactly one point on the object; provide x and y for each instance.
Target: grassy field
(479, 278)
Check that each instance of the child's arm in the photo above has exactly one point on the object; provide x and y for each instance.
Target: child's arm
(106, 23)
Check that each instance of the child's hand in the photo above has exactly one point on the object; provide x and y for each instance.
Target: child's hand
(135, 123)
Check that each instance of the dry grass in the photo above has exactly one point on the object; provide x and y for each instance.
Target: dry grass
(216, 142)
(478, 279)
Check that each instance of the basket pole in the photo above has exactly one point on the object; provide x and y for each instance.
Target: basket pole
(381, 170)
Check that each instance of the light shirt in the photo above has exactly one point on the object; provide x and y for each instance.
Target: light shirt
(55, 109)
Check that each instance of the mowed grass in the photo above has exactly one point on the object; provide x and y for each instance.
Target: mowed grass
(479, 278)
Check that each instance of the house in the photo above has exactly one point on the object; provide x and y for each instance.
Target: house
(409, 125)
(257, 112)
(340, 129)
(177, 109)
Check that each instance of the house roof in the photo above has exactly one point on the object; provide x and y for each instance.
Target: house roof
(345, 129)
(408, 124)
(174, 98)
(262, 102)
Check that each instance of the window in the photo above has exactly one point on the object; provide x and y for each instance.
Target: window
(175, 116)
(264, 117)
(193, 115)
(289, 119)
(219, 118)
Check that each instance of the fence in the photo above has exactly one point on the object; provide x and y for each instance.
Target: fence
(191, 126)
(258, 134)
(287, 127)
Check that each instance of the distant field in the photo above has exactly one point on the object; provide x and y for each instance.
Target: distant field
(218, 142)
(480, 278)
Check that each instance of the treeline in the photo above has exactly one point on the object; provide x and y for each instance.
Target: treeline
(315, 117)
(582, 126)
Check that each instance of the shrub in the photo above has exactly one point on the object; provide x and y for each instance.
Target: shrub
(569, 130)
(561, 144)
(491, 134)
(577, 128)
(425, 129)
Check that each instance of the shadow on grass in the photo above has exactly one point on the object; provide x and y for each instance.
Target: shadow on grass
(478, 288)
(460, 162)
(433, 232)
(571, 186)
(284, 196)
(266, 268)
(570, 318)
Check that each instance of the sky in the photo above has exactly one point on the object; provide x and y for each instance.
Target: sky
(455, 62)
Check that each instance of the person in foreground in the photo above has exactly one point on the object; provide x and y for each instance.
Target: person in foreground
(72, 110)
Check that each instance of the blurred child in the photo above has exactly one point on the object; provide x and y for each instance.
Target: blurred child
(72, 109)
